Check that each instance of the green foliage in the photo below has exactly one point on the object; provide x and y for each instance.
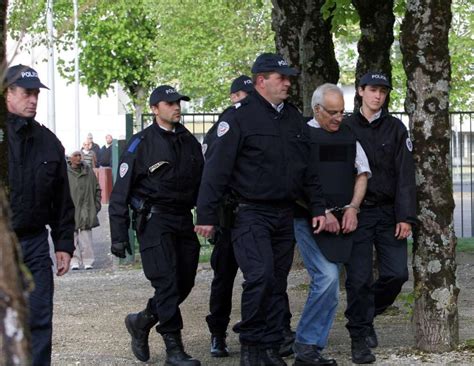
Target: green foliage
(407, 300)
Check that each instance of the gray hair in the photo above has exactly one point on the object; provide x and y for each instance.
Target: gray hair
(321, 91)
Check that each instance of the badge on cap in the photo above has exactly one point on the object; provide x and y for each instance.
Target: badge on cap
(222, 128)
(123, 169)
(409, 144)
(204, 149)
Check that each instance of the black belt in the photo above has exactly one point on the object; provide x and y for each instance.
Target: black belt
(373, 204)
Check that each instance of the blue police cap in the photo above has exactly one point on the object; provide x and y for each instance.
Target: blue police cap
(24, 77)
(375, 78)
(272, 62)
(166, 93)
(243, 82)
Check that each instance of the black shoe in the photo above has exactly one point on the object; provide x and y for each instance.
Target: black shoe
(249, 355)
(361, 353)
(219, 346)
(286, 348)
(139, 326)
(175, 355)
(270, 356)
(371, 338)
(307, 355)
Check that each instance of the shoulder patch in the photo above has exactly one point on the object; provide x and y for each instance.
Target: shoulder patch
(409, 144)
(222, 128)
(133, 146)
(123, 169)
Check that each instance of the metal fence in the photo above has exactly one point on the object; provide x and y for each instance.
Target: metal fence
(461, 149)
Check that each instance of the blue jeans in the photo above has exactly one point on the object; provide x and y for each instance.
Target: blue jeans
(320, 308)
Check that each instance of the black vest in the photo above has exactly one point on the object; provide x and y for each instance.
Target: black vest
(334, 155)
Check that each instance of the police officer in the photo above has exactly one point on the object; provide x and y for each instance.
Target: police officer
(261, 153)
(223, 260)
(386, 218)
(39, 196)
(159, 176)
(336, 154)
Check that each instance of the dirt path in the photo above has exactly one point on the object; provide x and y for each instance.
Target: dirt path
(90, 307)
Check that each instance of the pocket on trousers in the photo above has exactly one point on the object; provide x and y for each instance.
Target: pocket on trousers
(246, 248)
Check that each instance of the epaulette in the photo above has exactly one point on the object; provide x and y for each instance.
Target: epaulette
(134, 145)
(241, 103)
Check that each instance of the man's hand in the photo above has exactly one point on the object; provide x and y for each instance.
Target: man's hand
(349, 220)
(63, 260)
(118, 249)
(402, 230)
(319, 222)
(332, 224)
(206, 231)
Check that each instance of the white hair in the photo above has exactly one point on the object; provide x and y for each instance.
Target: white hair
(321, 91)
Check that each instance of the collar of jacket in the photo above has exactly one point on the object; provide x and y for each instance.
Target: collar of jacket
(260, 99)
(179, 128)
(18, 122)
(375, 123)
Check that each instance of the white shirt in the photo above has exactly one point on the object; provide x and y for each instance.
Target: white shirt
(361, 161)
(374, 117)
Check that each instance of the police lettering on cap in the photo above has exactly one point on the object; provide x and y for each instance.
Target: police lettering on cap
(24, 77)
(166, 93)
(272, 62)
(374, 78)
(243, 82)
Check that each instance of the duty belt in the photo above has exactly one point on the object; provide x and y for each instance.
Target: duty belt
(372, 204)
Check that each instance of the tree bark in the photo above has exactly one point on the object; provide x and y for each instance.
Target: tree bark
(304, 39)
(426, 60)
(376, 26)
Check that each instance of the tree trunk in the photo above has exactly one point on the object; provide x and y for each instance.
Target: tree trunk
(304, 39)
(376, 26)
(424, 45)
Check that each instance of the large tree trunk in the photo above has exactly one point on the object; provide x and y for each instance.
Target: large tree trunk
(376, 26)
(14, 333)
(304, 38)
(424, 44)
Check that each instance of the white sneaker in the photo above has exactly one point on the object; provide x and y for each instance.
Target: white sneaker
(88, 267)
(75, 268)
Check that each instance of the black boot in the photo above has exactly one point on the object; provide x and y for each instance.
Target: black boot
(307, 355)
(286, 348)
(139, 326)
(371, 339)
(219, 346)
(361, 353)
(175, 355)
(249, 355)
(270, 356)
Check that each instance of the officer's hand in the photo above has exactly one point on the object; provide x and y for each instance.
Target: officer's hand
(319, 223)
(349, 220)
(402, 230)
(118, 249)
(206, 231)
(62, 262)
(332, 225)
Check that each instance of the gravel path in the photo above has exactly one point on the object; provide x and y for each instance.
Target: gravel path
(90, 307)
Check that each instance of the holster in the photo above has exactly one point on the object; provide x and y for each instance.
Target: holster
(226, 211)
(140, 216)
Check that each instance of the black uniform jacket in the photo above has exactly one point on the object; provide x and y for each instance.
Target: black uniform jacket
(261, 155)
(162, 167)
(39, 188)
(388, 148)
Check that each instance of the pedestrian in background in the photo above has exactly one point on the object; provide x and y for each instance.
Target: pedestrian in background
(39, 196)
(86, 195)
(105, 154)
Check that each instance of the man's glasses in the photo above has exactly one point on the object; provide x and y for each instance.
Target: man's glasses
(332, 113)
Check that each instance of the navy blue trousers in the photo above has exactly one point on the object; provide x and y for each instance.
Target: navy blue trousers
(365, 298)
(263, 242)
(40, 302)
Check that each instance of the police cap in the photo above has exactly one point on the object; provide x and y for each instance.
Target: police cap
(272, 62)
(166, 93)
(243, 82)
(24, 77)
(374, 78)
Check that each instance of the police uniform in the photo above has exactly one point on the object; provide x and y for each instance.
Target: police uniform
(159, 176)
(390, 199)
(39, 196)
(261, 154)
